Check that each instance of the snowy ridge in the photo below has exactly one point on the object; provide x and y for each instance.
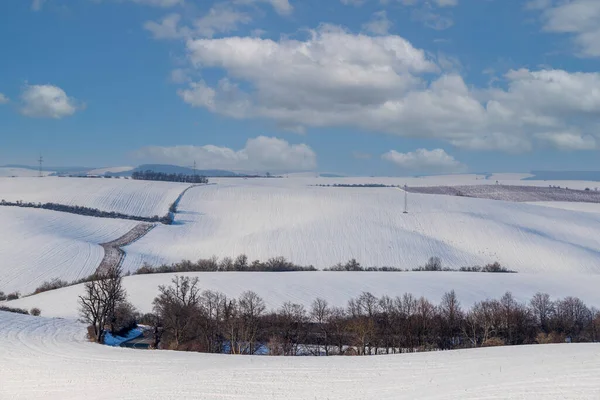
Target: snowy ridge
(337, 287)
(48, 358)
(140, 198)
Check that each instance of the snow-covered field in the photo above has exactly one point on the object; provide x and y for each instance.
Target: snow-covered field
(140, 198)
(569, 205)
(49, 359)
(38, 245)
(291, 217)
(21, 172)
(338, 287)
(322, 226)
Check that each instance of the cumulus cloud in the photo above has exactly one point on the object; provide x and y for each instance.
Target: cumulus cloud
(260, 154)
(379, 24)
(424, 160)
(576, 17)
(47, 101)
(336, 78)
(3, 99)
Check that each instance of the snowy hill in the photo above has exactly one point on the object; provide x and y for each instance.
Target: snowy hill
(50, 359)
(21, 172)
(322, 226)
(337, 287)
(140, 198)
(39, 245)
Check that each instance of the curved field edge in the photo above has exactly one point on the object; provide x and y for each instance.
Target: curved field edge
(65, 366)
(336, 287)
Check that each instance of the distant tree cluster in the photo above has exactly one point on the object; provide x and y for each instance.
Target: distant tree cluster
(150, 175)
(433, 264)
(240, 263)
(87, 211)
(10, 296)
(187, 318)
(359, 185)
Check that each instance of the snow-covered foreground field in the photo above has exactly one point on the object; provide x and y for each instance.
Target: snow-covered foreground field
(140, 198)
(39, 245)
(322, 226)
(49, 359)
(337, 287)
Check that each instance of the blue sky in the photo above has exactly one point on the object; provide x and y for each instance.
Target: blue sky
(362, 87)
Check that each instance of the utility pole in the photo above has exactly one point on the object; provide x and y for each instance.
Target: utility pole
(41, 161)
(195, 173)
(405, 199)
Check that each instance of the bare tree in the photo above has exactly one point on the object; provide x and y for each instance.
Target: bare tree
(543, 309)
(320, 314)
(102, 295)
(177, 306)
(251, 307)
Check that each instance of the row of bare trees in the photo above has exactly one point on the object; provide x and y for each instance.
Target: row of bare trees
(187, 318)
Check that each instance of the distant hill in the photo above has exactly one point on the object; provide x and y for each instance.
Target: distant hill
(174, 169)
(565, 176)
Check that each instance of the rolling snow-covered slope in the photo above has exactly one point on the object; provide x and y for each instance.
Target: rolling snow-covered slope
(569, 205)
(337, 288)
(140, 198)
(21, 172)
(49, 359)
(38, 245)
(325, 225)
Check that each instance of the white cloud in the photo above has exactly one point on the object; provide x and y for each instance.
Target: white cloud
(282, 7)
(260, 154)
(568, 140)
(180, 75)
(383, 84)
(424, 160)
(47, 101)
(379, 24)
(167, 28)
(3, 99)
(219, 19)
(577, 17)
(36, 5)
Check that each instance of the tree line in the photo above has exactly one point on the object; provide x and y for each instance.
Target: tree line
(280, 264)
(150, 175)
(87, 211)
(188, 318)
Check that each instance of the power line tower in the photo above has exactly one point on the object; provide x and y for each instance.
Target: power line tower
(195, 172)
(41, 161)
(405, 199)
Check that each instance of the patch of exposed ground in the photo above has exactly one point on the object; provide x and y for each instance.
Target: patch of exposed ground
(513, 193)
